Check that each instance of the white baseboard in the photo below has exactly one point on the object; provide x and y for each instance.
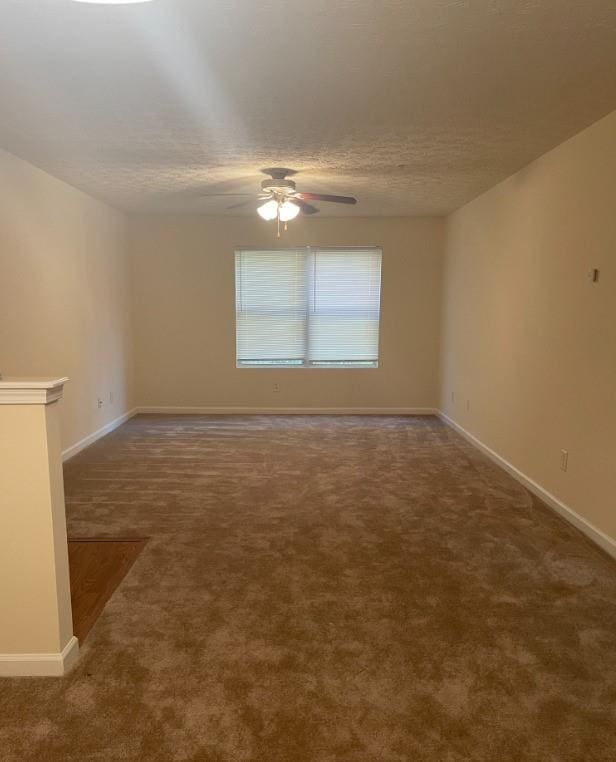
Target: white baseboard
(604, 541)
(40, 665)
(217, 410)
(91, 438)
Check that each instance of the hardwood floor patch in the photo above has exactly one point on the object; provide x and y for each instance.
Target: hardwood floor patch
(97, 566)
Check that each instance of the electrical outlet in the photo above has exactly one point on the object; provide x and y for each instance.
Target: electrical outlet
(564, 459)
(100, 403)
(276, 388)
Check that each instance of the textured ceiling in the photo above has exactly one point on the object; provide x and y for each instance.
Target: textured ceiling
(414, 106)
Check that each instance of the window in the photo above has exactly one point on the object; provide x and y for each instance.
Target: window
(308, 307)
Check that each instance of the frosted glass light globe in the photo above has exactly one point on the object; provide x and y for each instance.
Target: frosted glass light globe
(288, 211)
(269, 210)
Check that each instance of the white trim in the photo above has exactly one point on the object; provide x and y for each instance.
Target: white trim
(31, 391)
(218, 410)
(40, 665)
(91, 438)
(592, 532)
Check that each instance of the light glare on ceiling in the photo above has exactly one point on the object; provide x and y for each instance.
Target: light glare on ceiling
(111, 2)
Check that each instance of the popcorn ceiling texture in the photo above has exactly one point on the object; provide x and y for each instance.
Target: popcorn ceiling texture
(415, 108)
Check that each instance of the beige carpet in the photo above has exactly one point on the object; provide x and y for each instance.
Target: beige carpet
(361, 589)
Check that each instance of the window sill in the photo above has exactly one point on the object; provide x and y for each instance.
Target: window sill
(312, 366)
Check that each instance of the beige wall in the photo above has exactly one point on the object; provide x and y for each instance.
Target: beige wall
(183, 275)
(64, 294)
(527, 339)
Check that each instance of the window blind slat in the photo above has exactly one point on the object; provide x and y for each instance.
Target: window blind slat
(344, 305)
(308, 307)
(270, 298)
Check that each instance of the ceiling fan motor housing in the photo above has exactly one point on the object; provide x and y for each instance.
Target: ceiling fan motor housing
(278, 185)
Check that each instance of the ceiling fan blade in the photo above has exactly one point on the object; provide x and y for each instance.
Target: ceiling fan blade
(222, 195)
(304, 207)
(326, 197)
(242, 203)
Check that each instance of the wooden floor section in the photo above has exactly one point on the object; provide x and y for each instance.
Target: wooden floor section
(97, 566)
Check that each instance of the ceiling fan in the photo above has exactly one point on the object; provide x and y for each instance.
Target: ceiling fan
(279, 200)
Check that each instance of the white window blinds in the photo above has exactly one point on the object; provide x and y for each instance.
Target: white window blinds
(308, 307)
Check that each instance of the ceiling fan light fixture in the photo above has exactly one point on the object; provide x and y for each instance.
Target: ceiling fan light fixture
(268, 211)
(288, 211)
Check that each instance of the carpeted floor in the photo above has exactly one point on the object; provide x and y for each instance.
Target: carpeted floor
(358, 589)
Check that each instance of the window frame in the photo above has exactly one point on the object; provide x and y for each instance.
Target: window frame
(304, 364)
